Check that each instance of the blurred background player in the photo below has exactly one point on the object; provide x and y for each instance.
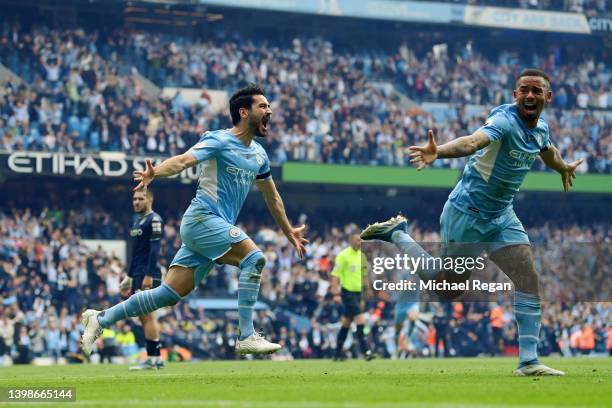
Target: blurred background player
(406, 311)
(479, 209)
(231, 162)
(144, 272)
(349, 278)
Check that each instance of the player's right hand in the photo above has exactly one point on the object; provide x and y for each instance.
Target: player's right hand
(424, 155)
(144, 178)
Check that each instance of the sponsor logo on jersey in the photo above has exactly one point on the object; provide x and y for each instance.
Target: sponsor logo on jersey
(136, 232)
(522, 159)
(156, 226)
(241, 176)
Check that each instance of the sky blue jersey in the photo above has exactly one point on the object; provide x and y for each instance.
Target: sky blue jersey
(229, 169)
(493, 175)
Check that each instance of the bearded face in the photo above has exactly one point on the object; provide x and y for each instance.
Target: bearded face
(531, 95)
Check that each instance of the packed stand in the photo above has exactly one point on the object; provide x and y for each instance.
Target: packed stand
(82, 95)
(48, 276)
(575, 6)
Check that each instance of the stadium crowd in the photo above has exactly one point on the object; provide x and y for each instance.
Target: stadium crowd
(331, 105)
(575, 6)
(48, 276)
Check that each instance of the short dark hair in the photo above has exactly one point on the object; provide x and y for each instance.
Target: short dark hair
(537, 72)
(243, 99)
(148, 192)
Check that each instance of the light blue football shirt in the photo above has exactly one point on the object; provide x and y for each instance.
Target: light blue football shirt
(493, 175)
(229, 169)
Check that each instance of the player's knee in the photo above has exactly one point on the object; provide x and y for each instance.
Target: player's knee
(180, 279)
(452, 277)
(526, 281)
(252, 265)
(168, 296)
(260, 263)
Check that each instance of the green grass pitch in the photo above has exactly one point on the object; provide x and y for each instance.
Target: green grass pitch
(422, 383)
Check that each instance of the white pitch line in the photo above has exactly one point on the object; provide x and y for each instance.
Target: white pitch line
(103, 377)
(292, 404)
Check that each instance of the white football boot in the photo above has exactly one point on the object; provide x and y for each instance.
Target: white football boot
(91, 330)
(256, 344)
(149, 364)
(536, 370)
(384, 230)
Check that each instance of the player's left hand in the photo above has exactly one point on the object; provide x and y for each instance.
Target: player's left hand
(568, 175)
(144, 178)
(296, 238)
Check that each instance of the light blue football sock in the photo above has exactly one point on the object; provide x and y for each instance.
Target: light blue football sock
(528, 314)
(140, 304)
(248, 289)
(410, 247)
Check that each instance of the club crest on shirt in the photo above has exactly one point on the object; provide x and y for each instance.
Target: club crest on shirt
(539, 138)
(234, 232)
(259, 159)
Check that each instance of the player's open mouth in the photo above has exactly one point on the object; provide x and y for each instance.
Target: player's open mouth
(532, 106)
(264, 123)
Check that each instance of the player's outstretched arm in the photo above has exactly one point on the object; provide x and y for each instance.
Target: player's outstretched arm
(277, 209)
(552, 158)
(426, 154)
(167, 168)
